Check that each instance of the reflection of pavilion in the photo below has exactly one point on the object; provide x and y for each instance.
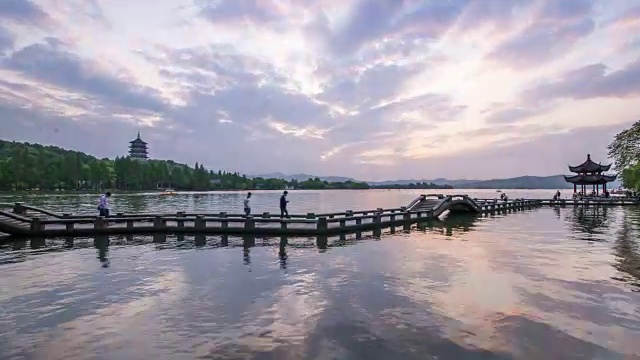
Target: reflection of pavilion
(590, 219)
(589, 174)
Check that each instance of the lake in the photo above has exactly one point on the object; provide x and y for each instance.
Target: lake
(547, 283)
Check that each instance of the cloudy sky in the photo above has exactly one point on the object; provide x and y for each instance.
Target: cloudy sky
(372, 89)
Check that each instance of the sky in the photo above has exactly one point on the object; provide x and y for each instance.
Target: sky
(370, 89)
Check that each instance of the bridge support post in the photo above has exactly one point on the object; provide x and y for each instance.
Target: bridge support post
(322, 225)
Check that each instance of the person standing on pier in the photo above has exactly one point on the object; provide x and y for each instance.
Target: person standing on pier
(283, 205)
(247, 204)
(103, 204)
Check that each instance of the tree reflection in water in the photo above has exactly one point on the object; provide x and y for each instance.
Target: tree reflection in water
(627, 250)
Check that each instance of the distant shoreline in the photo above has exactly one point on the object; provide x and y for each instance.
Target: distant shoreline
(134, 192)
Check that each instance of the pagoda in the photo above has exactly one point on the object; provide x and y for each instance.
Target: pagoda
(590, 173)
(138, 149)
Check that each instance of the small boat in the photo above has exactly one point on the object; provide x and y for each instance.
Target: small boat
(168, 192)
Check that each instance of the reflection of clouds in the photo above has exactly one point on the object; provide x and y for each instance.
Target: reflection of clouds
(515, 284)
(45, 272)
(115, 322)
(536, 255)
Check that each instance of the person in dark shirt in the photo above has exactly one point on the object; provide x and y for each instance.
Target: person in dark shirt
(283, 205)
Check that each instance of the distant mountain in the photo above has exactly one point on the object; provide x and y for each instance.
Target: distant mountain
(521, 182)
(303, 177)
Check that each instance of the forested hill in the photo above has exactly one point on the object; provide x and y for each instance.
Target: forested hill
(25, 166)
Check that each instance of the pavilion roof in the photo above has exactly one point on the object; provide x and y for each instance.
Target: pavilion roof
(596, 179)
(589, 166)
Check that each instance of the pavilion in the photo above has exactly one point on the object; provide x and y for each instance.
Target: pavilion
(591, 174)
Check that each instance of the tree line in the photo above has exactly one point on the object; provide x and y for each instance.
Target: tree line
(625, 151)
(25, 166)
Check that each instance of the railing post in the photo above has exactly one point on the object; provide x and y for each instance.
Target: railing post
(180, 221)
(99, 223)
(377, 218)
(249, 223)
(322, 225)
(159, 223)
(223, 222)
(200, 224)
(130, 223)
(36, 225)
(18, 209)
(343, 223)
(358, 221)
(69, 225)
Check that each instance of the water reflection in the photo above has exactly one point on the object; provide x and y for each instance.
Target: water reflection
(590, 221)
(102, 244)
(454, 225)
(520, 288)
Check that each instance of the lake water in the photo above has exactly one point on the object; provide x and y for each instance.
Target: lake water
(549, 283)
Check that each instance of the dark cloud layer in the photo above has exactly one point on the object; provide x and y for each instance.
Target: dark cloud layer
(24, 11)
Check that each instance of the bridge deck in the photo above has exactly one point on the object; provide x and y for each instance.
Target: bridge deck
(26, 220)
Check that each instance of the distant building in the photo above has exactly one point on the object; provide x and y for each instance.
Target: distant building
(138, 149)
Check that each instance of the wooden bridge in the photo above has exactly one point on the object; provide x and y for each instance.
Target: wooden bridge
(22, 220)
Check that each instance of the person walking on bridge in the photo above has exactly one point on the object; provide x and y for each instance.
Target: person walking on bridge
(283, 205)
(103, 204)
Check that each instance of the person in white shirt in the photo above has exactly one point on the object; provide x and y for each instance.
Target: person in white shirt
(103, 204)
(247, 204)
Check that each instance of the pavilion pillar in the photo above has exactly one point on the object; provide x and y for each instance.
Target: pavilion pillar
(575, 188)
